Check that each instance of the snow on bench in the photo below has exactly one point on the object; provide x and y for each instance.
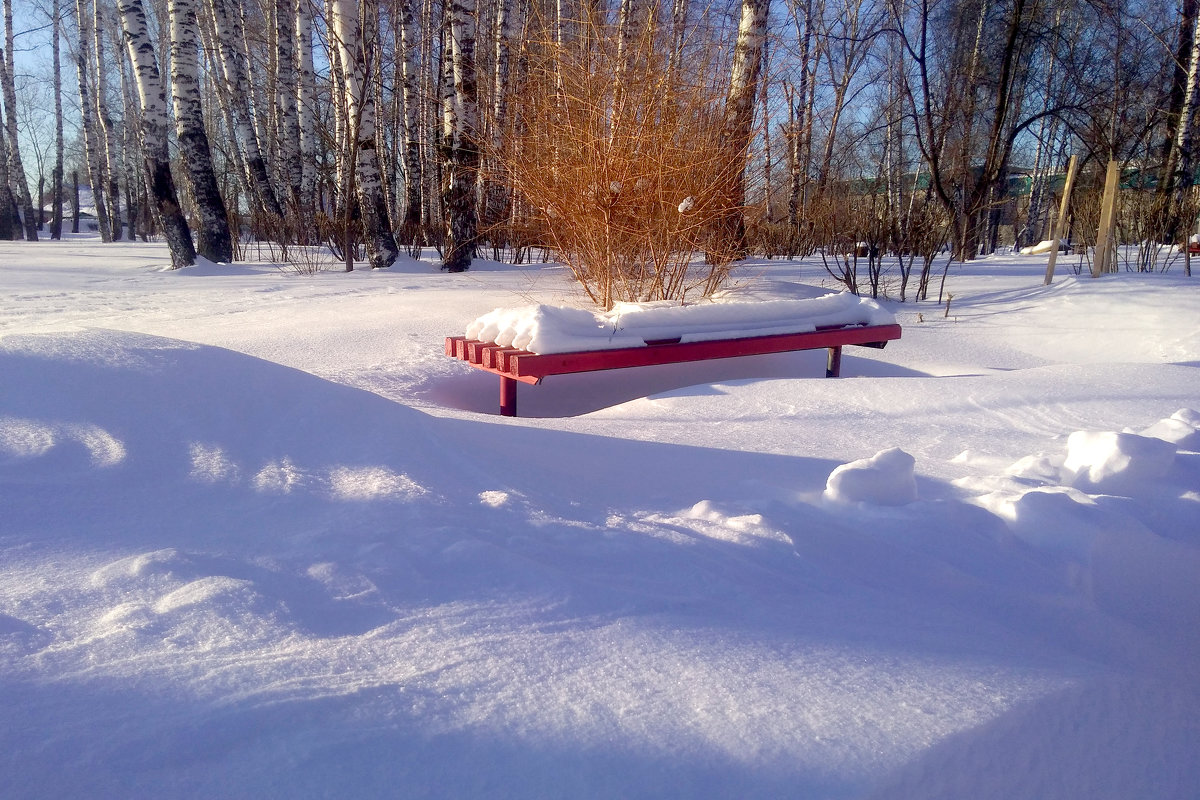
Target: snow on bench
(526, 344)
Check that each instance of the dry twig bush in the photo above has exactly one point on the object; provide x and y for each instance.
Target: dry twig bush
(623, 167)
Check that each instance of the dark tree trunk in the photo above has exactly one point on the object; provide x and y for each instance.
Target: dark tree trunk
(75, 202)
(213, 240)
(164, 198)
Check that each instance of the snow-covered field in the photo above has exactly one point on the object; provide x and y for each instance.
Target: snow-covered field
(260, 538)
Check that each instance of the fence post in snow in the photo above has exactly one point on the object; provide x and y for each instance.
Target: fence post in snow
(1060, 224)
(1101, 263)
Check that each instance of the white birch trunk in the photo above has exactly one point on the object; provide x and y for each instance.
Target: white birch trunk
(431, 207)
(306, 107)
(16, 170)
(800, 114)
(739, 112)
(1184, 163)
(10, 222)
(509, 19)
(679, 19)
(227, 25)
(92, 137)
(153, 99)
(354, 35)
(287, 87)
(766, 110)
(135, 181)
(109, 144)
(460, 143)
(411, 227)
(213, 240)
(56, 191)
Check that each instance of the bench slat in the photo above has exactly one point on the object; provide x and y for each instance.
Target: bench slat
(531, 365)
(515, 365)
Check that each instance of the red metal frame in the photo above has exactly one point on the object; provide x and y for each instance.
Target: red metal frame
(513, 365)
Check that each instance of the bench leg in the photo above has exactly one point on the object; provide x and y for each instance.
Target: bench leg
(833, 365)
(508, 397)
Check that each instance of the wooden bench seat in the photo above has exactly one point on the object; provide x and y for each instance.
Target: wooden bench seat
(520, 366)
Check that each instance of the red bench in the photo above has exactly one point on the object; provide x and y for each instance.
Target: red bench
(514, 365)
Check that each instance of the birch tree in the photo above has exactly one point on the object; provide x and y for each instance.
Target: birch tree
(235, 82)
(287, 77)
(800, 117)
(56, 219)
(1176, 97)
(1180, 163)
(110, 143)
(306, 106)
(409, 26)
(131, 165)
(213, 240)
(153, 100)
(16, 171)
(509, 19)
(10, 223)
(460, 146)
(738, 124)
(92, 146)
(354, 33)
(679, 27)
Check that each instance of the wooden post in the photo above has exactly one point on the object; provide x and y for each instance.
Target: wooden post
(1060, 224)
(508, 396)
(1100, 264)
(833, 363)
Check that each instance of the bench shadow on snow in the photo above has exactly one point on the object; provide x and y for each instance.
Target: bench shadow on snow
(584, 393)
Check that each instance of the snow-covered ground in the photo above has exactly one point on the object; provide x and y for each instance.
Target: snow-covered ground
(260, 538)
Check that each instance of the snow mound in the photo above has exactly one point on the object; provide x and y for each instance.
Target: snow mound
(884, 479)
(1040, 249)
(1111, 462)
(1063, 523)
(1181, 429)
(555, 329)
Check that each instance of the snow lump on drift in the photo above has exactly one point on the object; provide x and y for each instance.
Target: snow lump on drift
(884, 479)
(1115, 462)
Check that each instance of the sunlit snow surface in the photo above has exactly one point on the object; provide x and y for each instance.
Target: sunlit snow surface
(261, 538)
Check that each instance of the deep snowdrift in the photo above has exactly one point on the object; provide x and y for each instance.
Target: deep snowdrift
(259, 539)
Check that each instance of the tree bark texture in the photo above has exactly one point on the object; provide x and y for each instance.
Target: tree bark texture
(738, 123)
(89, 124)
(409, 34)
(56, 190)
(230, 36)
(355, 29)
(460, 144)
(306, 107)
(213, 239)
(10, 222)
(287, 86)
(16, 170)
(153, 96)
(110, 144)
